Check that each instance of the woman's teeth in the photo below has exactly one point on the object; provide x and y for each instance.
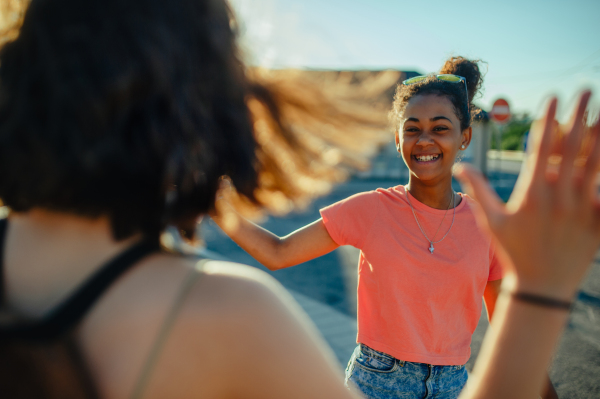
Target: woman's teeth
(425, 158)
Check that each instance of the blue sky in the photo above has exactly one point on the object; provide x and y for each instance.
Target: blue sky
(533, 48)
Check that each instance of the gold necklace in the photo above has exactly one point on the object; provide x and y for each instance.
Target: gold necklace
(431, 242)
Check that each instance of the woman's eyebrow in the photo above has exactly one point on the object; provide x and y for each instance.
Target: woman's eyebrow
(437, 118)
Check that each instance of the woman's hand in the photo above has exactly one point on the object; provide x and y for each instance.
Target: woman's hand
(549, 230)
(546, 235)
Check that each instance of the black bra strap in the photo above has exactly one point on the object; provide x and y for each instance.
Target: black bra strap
(70, 312)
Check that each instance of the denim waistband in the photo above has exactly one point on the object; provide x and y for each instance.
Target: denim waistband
(376, 354)
(389, 359)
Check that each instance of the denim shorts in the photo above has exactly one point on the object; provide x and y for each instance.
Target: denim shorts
(378, 375)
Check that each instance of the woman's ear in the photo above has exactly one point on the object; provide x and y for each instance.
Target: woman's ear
(397, 138)
(466, 138)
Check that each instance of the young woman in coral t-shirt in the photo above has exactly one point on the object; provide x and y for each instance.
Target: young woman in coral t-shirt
(424, 264)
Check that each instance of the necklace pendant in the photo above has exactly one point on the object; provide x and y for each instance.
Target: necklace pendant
(431, 247)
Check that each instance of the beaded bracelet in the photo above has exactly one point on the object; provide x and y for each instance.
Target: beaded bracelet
(542, 300)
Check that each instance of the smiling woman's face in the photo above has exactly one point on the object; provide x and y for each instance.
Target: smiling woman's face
(430, 137)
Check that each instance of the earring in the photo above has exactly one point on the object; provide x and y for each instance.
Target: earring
(462, 146)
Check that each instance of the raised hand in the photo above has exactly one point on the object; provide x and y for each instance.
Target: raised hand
(549, 230)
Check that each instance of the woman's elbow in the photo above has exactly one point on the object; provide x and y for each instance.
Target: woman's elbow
(276, 264)
(272, 266)
(280, 258)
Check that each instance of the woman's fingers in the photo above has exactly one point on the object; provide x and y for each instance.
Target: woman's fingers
(542, 139)
(590, 176)
(572, 143)
(480, 190)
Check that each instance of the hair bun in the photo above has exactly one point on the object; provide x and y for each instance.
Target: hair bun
(468, 69)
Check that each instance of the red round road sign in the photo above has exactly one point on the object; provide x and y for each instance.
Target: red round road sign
(500, 111)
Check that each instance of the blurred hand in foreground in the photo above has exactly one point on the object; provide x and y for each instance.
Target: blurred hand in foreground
(546, 236)
(549, 230)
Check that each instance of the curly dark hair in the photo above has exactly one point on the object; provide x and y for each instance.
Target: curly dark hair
(101, 114)
(463, 107)
(135, 109)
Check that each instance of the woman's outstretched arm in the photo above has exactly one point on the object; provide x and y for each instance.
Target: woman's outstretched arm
(275, 252)
(547, 234)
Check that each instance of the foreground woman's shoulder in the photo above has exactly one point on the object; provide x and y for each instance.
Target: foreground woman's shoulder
(232, 271)
(222, 284)
(212, 315)
(218, 287)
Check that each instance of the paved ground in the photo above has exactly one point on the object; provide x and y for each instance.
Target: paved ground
(326, 289)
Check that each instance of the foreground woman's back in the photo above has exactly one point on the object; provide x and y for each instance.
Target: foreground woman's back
(231, 336)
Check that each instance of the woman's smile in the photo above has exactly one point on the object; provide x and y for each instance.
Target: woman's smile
(427, 158)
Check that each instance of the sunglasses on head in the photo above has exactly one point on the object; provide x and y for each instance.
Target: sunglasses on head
(447, 78)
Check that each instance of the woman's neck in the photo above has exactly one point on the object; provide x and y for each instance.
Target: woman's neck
(438, 196)
(49, 254)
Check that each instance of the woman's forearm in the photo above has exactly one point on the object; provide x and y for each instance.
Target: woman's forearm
(260, 243)
(276, 252)
(516, 351)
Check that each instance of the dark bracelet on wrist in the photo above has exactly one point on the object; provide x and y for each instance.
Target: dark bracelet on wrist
(542, 300)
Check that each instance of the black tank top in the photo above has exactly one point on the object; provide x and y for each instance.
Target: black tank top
(40, 358)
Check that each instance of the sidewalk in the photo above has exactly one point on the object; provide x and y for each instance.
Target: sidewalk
(338, 329)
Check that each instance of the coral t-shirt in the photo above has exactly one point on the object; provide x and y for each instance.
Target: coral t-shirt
(412, 304)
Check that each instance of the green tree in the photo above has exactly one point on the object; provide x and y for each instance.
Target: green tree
(512, 134)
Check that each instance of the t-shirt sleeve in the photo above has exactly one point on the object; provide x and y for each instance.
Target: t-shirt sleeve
(349, 221)
(495, 266)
